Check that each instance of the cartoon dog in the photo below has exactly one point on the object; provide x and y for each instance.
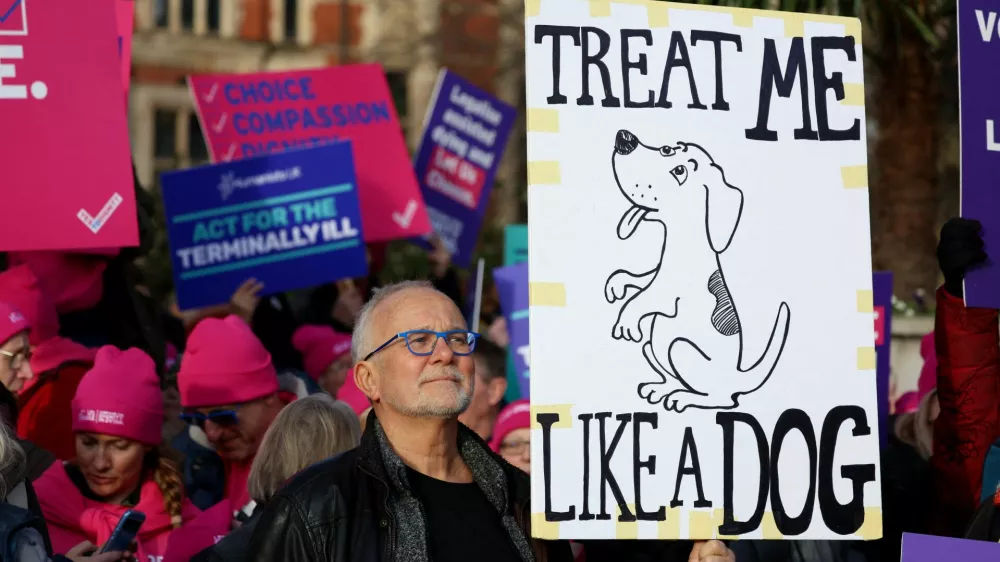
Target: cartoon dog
(684, 191)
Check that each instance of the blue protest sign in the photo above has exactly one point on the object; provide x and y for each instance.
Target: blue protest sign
(290, 220)
(512, 288)
(465, 134)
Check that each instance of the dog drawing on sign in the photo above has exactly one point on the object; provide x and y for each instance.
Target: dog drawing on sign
(698, 349)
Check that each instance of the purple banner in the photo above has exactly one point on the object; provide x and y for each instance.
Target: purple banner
(882, 300)
(925, 548)
(512, 287)
(465, 134)
(979, 110)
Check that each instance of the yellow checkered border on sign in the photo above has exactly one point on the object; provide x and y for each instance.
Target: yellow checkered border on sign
(658, 15)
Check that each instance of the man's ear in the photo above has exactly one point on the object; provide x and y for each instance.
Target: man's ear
(366, 381)
(496, 389)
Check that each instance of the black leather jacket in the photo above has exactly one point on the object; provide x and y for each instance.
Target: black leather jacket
(338, 511)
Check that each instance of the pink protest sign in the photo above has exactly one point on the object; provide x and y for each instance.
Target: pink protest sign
(253, 114)
(66, 173)
(126, 17)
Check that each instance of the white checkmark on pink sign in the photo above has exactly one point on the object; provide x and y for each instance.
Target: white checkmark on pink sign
(95, 223)
(212, 92)
(221, 124)
(406, 218)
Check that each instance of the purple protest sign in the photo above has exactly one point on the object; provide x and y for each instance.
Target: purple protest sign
(465, 134)
(926, 548)
(512, 287)
(978, 53)
(882, 301)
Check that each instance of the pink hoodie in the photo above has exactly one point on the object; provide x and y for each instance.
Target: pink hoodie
(72, 518)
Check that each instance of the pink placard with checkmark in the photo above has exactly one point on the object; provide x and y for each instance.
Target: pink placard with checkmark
(252, 114)
(125, 18)
(65, 173)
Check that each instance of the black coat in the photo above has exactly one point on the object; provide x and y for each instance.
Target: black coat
(339, 510)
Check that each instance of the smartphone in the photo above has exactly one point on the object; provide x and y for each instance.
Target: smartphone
(125, 531)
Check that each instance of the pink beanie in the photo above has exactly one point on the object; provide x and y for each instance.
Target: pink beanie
(320, 346)
(120, 396)
(20, 288)
(352, 395)
(12, 322)
(224, 363)
(908, 402)
(516, 415)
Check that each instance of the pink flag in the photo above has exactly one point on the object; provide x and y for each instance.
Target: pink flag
(65, 175)
(252, 114)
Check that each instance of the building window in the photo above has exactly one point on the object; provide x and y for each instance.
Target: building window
(192, 16)
(197, 150)
(291, 19)
(187, 15)
(214, 15)
(178, 141)
(165, 133)
(160, 16)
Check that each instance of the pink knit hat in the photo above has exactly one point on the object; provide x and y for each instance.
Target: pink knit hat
(320, 346)
(224, 363)
(12, 322)
(516, 415)
(120, 396)
(20, 288)
(906, 403)
(352, 395)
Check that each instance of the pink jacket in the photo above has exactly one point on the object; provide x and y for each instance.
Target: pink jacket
(208, 529)
(72, 518)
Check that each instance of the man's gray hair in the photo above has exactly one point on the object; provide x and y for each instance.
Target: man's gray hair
(361, 343)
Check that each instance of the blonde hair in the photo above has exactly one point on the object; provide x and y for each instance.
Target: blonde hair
(167, 476)
(13, 461)
(304, 432)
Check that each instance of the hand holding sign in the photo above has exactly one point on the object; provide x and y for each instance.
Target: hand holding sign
(246, 298)
(711, 551)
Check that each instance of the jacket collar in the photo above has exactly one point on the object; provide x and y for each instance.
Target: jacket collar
(503, 485)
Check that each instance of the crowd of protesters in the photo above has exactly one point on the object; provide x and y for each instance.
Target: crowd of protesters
(369, 423)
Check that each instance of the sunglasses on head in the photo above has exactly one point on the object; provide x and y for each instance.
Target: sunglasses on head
(218, 417)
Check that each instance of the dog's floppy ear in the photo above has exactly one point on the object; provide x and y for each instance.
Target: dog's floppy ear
(723, 207)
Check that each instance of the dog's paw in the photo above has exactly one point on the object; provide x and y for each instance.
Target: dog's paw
(616, 286)
(677, 401)
(652, 392)
(627, 328)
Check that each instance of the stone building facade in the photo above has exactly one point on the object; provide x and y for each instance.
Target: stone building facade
(412, 39)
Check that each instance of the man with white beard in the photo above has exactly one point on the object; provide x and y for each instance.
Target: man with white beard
(420, 486)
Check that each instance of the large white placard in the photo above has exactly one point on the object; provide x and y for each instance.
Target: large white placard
(701, 287)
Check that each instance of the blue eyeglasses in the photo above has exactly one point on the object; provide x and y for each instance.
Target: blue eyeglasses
(223, 418)
(422, 342)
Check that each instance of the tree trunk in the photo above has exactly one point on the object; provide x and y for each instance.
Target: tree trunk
(905, 191)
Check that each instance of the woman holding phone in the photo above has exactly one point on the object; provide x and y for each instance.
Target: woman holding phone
(117, 418)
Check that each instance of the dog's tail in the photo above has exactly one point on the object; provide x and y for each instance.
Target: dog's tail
(762, 369)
